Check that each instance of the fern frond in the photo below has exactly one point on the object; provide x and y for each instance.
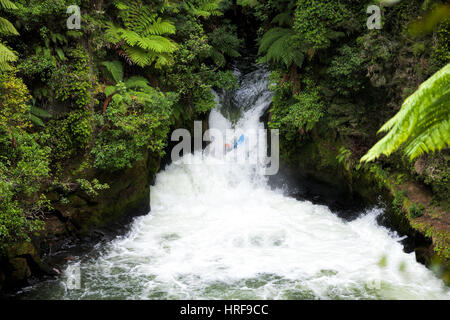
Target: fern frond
(109, 90)
(6, 57)
(7, 28)
(160, 27)
(271, 36)
(36, 114)
(422, 122)
(284, 18)
(142, 38)
(137, 82)
(130, 37)
(277, 45)
(157, 44)
(139, 56)
(36, 120)
(121, 6)
(112, 33)
(39, 112)
(163, 60)
(204, 8)
(217, 57)
(7, 4)
(115, 70)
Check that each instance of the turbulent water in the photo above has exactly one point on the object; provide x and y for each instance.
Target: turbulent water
(217, 230)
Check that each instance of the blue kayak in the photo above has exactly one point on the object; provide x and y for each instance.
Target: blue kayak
(240, 140)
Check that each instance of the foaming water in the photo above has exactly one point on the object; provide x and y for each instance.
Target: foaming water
(218, 231)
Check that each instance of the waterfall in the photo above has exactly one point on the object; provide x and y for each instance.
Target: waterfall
(217, 230)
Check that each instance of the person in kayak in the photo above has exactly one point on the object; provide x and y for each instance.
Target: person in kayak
(236, 144)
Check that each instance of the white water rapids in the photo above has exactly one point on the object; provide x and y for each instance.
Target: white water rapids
(218, 231)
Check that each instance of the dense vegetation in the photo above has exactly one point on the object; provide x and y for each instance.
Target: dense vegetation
(331, 74)
(100, 96)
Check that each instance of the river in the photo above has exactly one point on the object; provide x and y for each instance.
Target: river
(218, 230)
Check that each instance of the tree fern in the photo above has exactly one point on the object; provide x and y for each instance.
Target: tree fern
(6, 28)
(7, 4)
(278, 45)
(204, 8)
(224, 42)
(160, 27)
(142, 37)
(6, 57)
(423, 123)
(139, 56)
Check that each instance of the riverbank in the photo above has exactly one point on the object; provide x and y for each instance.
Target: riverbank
(411, 208)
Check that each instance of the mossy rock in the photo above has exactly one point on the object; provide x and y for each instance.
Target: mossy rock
(128, 195)
(20, 269)
(21, 249)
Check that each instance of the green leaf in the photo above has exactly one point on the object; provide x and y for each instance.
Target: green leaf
(7, 28)
(115, 70)
(422, 124)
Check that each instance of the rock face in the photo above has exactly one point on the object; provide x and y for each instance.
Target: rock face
(128, 194)
(82, 218)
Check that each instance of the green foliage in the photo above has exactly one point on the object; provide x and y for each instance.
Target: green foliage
(399, 197)
(13, 101)
(123, 87)
(92, 187)
(344, 157)
(24, 164)
(22, 170)
(224, 43)
(203, 8)
(317, 23)
(416, 211)
(133, 123)
(380, 174)
(422, 124)
(67, 135)
(6, 29)
(72, 82)
(191, 77)
(36, 115)
(345, 69)
(441, 53)
(142, 37)
(79, 124)
(280, 46)
(433, 171)
(115, 70)
(297, 115)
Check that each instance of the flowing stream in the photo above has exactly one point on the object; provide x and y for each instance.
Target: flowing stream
(217, 230)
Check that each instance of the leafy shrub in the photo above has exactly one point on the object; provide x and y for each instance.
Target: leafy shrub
(133, 124)
(416, 211)
(297, 115)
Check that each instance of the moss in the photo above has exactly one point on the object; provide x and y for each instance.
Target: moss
(21, 270)
(128, 194)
